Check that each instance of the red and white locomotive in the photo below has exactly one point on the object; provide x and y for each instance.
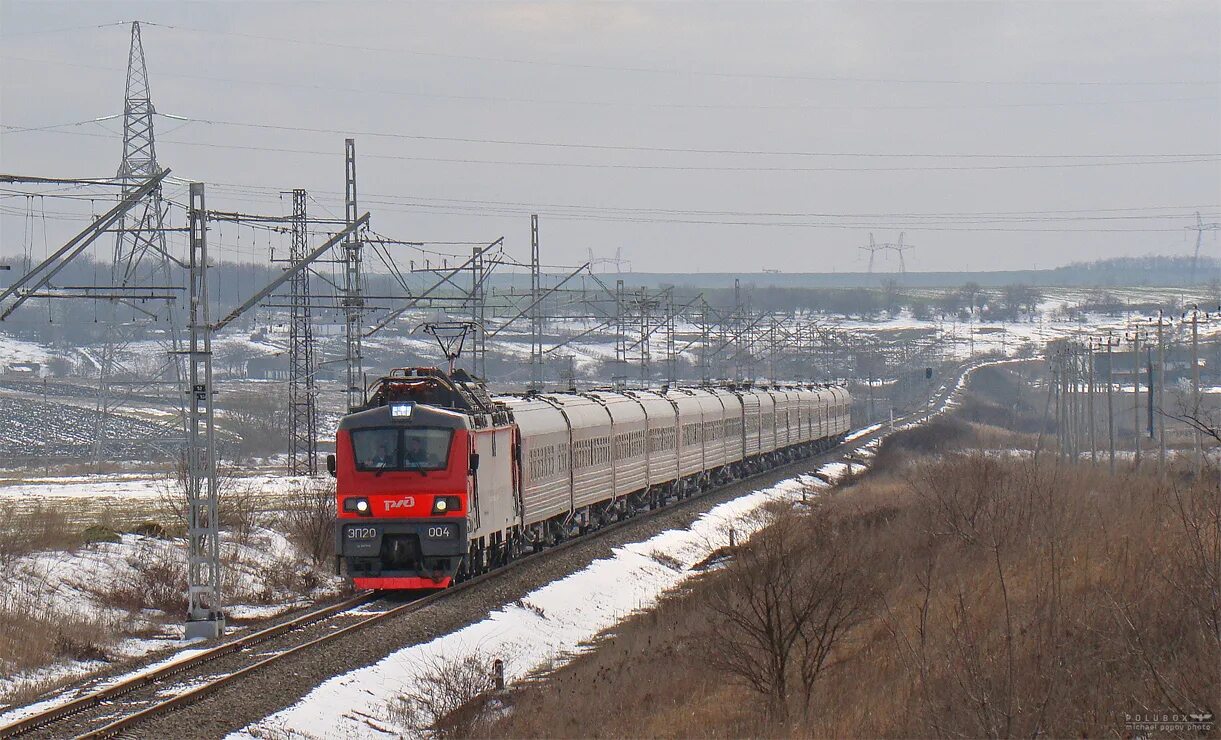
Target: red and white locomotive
(437, 480)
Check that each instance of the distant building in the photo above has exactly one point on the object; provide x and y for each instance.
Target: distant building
(267, 367)
(24, 369)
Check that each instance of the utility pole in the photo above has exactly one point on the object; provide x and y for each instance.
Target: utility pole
(353, 286)
(1195, 385)
(646, 354)
(619, 380)
(302, 391)
(1134, 338)
(536, 310)
(205, 617)
(705, 344)
(1090, 407)
(671, 354)
(478, 311)
(737, 329)
(1074, 405)
(1110, 342)
(1161, 394)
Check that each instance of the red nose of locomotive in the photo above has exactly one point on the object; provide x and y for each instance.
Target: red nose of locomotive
(402, 473)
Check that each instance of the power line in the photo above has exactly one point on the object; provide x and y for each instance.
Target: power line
(238, 187)
(675, 168)
(683, 150)
(675, 71)
(604, 103)
(634, 147)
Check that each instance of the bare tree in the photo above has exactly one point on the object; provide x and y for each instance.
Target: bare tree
(450, 697)
(782, 604)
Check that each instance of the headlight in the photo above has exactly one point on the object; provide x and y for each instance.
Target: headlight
(446, 504)
(360, 505)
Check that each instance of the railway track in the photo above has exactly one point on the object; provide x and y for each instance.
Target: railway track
(110, 711)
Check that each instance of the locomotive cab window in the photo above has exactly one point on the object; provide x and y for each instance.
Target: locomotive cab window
(401, 449)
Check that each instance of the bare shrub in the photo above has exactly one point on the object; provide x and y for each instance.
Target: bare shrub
(240, 508)
(156, 579)
(236, 500)
(449, 698)
(781, 605)
(309, 519)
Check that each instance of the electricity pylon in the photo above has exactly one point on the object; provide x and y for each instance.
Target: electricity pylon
(1199, 228)
(141, 260)
(873, 249)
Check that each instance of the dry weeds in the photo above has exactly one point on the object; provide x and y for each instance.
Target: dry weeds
(1011, 599)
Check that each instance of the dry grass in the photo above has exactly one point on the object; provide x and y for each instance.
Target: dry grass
(32, 635)
(1007, 597)
(25, 530)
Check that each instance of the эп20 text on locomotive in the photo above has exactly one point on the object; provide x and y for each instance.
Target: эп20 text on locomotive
(438, 481)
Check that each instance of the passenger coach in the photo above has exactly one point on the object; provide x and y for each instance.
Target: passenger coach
(437, 480)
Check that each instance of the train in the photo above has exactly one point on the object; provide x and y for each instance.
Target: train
(438, 481)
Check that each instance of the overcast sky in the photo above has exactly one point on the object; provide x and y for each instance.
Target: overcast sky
(774, 88)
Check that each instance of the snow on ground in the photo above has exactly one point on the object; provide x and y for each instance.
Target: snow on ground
(18, 350)
(547, 626)
(132, 497)
(128, 485)
(108, 582)
(862, 432)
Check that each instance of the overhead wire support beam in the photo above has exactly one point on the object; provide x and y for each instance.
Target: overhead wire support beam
(415, 300)
(539, 299)
(290, 272)
(50, 267)
(34, 180)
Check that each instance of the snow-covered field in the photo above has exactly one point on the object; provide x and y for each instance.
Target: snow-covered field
(13, 350)
(132, 497)
(112, 583)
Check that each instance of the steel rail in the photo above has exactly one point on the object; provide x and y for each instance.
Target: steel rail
(92, 699)
(198, 692)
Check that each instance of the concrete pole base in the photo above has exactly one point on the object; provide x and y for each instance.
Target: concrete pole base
(204, 628)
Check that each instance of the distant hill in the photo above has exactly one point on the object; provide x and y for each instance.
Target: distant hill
(1126, 271)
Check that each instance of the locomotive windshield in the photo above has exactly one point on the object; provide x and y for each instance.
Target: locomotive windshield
(401, 449)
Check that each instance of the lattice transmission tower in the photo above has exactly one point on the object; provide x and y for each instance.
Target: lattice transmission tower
(1200, 227)
(141, 261)
(302, 389)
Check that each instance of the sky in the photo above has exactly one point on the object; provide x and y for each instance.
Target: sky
(687, 137)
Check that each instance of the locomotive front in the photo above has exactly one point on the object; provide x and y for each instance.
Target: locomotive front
(402, 473)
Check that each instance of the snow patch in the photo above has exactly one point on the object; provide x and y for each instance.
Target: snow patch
(542, 629)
